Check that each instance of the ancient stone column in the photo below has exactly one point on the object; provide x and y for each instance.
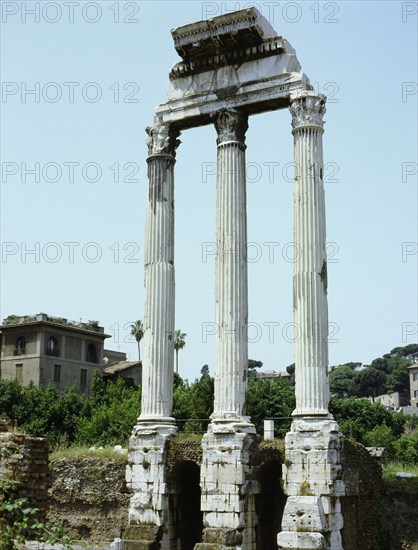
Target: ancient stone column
(227, 446)
(231, 286)
(158, 349)
(146, 473)
(312, 472)
(310, 267)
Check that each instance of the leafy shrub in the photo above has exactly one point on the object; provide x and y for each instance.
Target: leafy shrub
(406, 451)
(358, 416)
(18, 520)
(112, 417)
(268, 398)
(381, 436)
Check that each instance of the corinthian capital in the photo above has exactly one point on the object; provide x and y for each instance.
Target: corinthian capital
(308, 110)
(162, 139)
(231, 126)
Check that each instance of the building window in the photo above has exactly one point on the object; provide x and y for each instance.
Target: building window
(416, 393)
(41, 376)
(92, 354)
(57, 374)
(415, 376)
(52, 347)
(83, 379)
(20, 346)
(19, 372)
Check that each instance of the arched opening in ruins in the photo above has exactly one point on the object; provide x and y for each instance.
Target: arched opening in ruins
(269, 504)
(186, 516)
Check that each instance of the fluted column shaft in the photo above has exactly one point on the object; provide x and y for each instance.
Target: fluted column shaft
(158, 349)
(231, 292)
(310, 268)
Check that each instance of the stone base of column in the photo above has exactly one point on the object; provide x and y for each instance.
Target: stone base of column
(225, 475)
(231, 424)
(146, 478)
(220, 539)
(142, 537)
(150, 426)
(312, 475)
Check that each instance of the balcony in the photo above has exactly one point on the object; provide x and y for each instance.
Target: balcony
(19, 351)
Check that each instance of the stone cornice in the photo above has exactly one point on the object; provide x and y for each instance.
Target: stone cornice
(245, 27)
(220, 58)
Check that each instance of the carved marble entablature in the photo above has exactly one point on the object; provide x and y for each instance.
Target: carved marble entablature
(233, 61)
(308, 109)
(232, 56)
(243, 28)
(231, 126)
(162, 139)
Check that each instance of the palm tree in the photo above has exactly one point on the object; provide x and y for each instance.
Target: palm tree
(137, 330)
(179, 343)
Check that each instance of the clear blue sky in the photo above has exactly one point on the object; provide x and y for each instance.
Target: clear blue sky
(362, 54)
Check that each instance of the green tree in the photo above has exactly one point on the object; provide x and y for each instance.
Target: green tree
(11, 399)
(395, 367)
(341, 380)
(193, 401)
(179, 343)
(381, 436)
(182, 398)
(369, 382)
(412, 423)
(381, 364)
(398, 378)
(203, 396)
(43, 411)
(408, 352)
(405, 451)
(357, 416)
(204, 371)
(267, 398)
(111, 421)
(49, 413)
(71, 406)
(97, 389)
(137, 330)
(290, 369)
(252, 365)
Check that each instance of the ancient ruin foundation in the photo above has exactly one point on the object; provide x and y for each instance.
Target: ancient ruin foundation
(232, 67)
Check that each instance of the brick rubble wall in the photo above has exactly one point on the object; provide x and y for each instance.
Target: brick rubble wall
(180, 450)
(399, 515)
(90, 495)
(362, 475)
(25, 459)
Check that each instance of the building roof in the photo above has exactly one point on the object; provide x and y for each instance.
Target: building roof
(111, 357)
(123, 365)
(93, 329)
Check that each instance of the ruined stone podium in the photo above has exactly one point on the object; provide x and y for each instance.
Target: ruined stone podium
(232, 67)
